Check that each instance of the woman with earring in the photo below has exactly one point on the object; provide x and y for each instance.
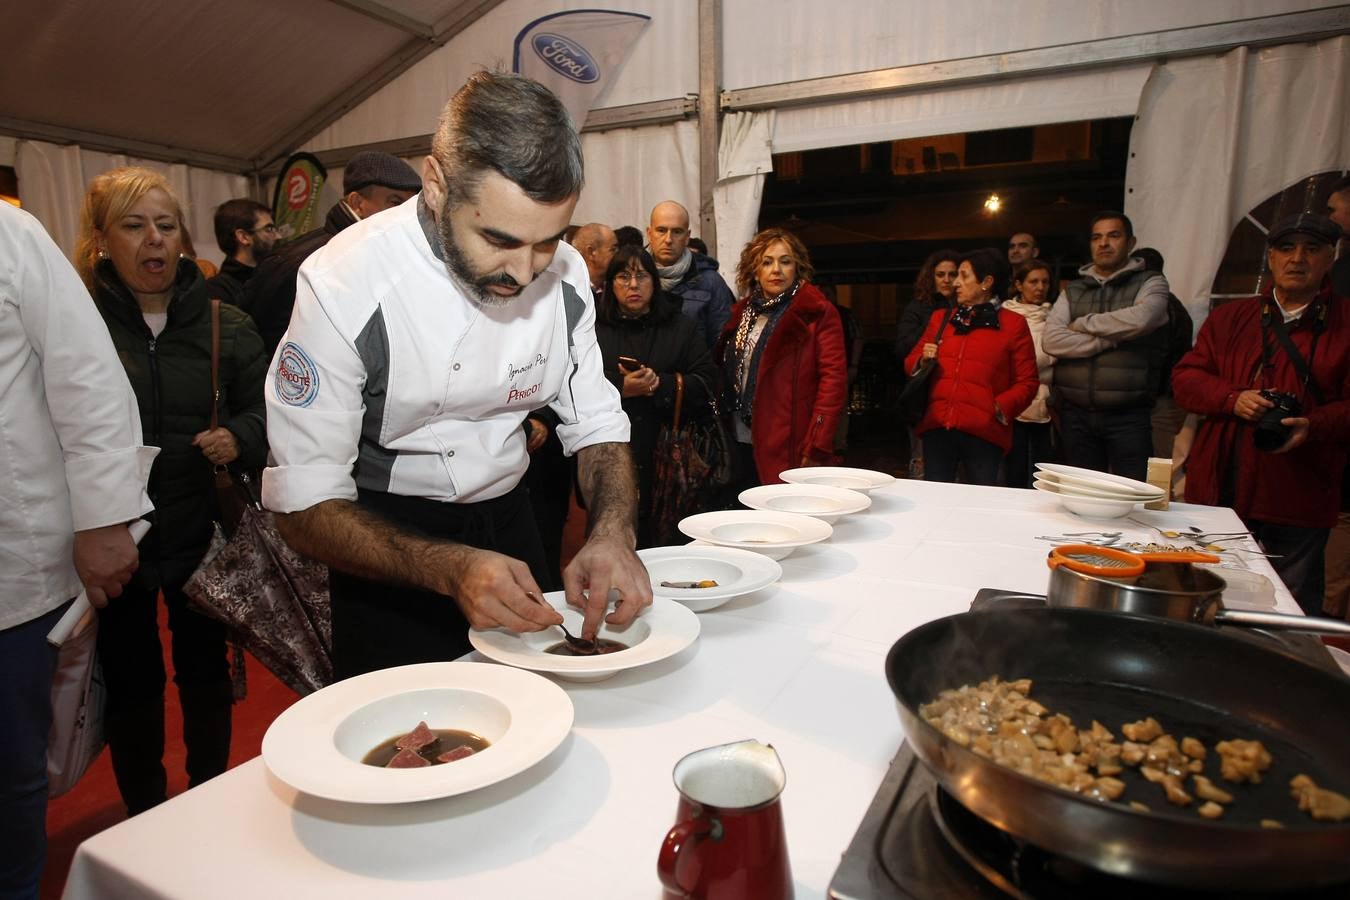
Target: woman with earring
(934, 288)
(153, 300)
(986, 375)
(783, 363)
(645, 343)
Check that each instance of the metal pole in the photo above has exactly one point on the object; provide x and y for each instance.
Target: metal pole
(709, 113)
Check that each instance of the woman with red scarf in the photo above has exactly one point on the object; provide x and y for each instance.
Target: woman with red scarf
(783, 365)
(986, 375)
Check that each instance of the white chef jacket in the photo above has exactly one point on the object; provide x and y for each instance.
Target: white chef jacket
(390, 379)
(70, 433)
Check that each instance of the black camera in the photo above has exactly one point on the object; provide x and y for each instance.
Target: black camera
(1271, 433)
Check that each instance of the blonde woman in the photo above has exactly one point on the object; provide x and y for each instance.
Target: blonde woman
(153, 301)
(782, 358)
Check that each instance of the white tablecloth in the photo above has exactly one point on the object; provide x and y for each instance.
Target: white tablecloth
(798, 665)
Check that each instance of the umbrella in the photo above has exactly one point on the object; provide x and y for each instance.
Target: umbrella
(274, 599)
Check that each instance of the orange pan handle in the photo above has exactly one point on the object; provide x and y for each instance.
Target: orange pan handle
(1064, 556)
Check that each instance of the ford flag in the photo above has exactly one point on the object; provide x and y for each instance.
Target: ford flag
(577, 54)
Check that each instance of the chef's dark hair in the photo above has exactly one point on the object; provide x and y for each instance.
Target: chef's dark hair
(987, 262)
(607, 309)
(513, 126)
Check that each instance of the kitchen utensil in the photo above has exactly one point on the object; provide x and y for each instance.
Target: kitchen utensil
(728, 842)
(581, 645)
(1119, 668)
(1094, 559)
(1171, 591)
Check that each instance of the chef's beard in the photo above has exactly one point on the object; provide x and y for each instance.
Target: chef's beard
(473, 284)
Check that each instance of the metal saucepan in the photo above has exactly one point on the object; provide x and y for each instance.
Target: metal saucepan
(1168, 587)
(1119, 668)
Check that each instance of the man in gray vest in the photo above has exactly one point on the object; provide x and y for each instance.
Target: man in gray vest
(1106, 330)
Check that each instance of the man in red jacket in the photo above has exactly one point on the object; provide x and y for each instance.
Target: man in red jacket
(1271, 376)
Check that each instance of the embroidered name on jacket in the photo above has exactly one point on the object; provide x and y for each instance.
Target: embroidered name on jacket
(297, 378)
(513, 371)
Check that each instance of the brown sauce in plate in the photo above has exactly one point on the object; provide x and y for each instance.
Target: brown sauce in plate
(602, 646)
(447, 739)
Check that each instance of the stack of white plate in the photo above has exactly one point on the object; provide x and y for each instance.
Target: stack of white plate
(1097, 495)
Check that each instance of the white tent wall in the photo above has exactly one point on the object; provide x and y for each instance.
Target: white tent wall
(1218, 135)
(53, 178)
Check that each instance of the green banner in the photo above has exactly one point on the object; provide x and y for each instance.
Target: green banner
(296, 198)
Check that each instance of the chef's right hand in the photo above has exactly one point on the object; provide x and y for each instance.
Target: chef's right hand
(105, 559)
(493, 589)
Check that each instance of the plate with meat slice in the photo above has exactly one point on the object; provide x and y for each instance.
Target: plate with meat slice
(417, 732)
(662, 630)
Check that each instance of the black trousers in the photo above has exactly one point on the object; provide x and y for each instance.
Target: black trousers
(377, 625)
(1301, 562)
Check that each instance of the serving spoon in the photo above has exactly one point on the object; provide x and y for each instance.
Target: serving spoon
(581, 645)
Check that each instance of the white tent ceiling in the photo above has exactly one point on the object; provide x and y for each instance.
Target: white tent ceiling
(224, 85)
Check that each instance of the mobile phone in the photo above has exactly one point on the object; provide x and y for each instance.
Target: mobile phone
(629, 363)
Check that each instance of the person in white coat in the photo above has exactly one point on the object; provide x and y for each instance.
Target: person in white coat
(1032, 430)
(72, 475)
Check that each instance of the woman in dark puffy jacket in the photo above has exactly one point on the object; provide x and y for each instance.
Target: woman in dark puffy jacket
(154, 303)
(986, 375)
(934, 288)
(645, 342)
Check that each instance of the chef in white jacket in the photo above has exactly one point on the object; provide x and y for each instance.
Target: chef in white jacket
(421, 339)
(72, 475)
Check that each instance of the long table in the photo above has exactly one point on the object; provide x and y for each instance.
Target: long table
(798, 665)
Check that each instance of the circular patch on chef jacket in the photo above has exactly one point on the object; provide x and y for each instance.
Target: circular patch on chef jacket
(297, 378)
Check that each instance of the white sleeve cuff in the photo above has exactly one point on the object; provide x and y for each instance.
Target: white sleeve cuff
(608, 428)
(109, 488)
(287, 489)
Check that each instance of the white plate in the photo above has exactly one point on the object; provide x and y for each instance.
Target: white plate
(1090, 507)
(816, 500)
(316, 745)
(775, 534)
(664, 629)
(735, 571)
(838, 476)
(1067, 484)
(1091, 477)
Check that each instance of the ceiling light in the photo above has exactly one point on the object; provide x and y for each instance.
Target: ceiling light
(994, 203)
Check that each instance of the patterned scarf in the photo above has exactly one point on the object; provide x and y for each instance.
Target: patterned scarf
(746, 365)
(979, 315)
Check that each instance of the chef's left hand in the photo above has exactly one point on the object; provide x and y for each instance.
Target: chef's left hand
(606, 562)
(218, 445)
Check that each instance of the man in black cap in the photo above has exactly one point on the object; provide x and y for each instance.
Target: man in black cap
(1271, 376)
(371, 183)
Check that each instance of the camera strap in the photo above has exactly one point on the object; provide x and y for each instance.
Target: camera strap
(1274, 319)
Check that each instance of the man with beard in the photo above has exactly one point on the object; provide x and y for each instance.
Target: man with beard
(246, 235)
(421, 339)
(1106, 331)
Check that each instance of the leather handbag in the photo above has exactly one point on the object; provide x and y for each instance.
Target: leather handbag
(914, 395)
(692, 463)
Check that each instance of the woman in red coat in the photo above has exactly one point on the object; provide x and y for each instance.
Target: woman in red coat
(783, 364)
(986, 375)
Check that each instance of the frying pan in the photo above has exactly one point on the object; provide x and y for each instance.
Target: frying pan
(1116, 668)
(1159, 584)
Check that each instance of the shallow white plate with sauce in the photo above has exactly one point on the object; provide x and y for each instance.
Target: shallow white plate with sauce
(736, 572)
(820, 501)
(775, 534)
(662, 630)
(317, 744)
(838, 476)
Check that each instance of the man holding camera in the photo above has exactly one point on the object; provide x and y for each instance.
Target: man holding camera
(1271, 376)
